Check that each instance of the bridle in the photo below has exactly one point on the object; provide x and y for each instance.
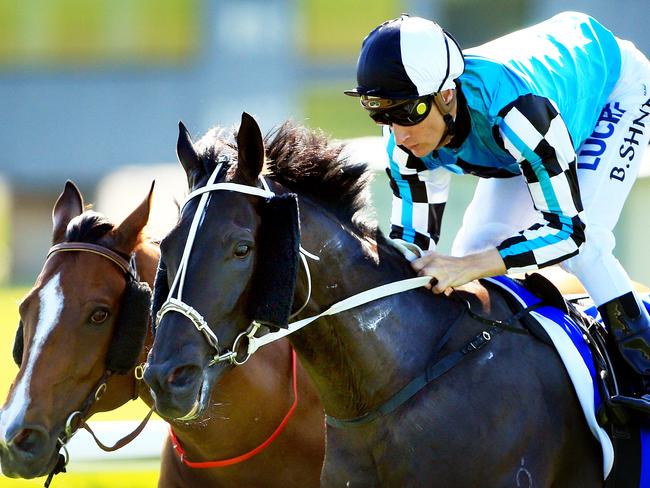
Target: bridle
(176, 303)
(77, 419)
(434, 370)
(128, 267)
(246, 343)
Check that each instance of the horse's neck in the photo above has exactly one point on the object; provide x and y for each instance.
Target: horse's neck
(147, 255)
(373, 350)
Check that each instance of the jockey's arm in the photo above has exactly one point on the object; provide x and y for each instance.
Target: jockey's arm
(449, 271)
(536, 136)
(534, 133)
(419, 198)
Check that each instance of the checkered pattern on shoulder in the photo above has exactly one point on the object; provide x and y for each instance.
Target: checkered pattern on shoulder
(419, 198)
(533, 132)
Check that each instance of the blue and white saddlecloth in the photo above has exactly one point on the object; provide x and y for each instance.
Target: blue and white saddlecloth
(568, 339)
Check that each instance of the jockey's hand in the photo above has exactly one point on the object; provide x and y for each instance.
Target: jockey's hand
(449, 271)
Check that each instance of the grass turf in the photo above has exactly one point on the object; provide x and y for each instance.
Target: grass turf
(97, 479)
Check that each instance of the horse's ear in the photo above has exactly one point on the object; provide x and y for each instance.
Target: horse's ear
(126, 234)
(250, 146)
(69, 204)
(187, 156)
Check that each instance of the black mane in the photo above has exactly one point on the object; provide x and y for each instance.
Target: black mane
(307, 162)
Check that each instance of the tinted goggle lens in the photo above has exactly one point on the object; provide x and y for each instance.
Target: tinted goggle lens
(406, 113)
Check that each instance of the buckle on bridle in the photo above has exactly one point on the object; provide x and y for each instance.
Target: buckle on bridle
(99, 392)
(69, 429)
(248, 334)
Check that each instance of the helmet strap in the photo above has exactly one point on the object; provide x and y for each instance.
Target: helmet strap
(445, 109)
(450, 130)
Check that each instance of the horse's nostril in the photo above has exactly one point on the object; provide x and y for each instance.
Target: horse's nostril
(30, 439)
(183, 376)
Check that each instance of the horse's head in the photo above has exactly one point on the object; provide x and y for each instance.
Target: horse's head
(85, 319)
(231, 260)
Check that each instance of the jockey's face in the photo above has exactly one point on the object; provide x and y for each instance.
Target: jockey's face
(422, 138)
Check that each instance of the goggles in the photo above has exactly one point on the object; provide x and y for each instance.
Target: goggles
(386, 111)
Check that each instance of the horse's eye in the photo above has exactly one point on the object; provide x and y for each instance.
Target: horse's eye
(242, 250)
(99, 316)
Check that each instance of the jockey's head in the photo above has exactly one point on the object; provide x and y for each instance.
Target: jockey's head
(405, 66)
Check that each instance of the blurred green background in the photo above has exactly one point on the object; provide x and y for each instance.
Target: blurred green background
(90, 86)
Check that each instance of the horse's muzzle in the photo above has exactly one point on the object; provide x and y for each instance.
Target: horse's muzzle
(28, 451)
(176, 389)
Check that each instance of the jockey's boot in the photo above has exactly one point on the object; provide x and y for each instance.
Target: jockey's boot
(629, 325)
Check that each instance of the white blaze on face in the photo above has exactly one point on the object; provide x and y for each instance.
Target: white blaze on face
(51, 304)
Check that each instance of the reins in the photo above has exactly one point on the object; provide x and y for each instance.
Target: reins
(247, 340)
(124, 440)
(253, 452)
(70, 430)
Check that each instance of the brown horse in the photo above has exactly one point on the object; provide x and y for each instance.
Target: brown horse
(74, 328)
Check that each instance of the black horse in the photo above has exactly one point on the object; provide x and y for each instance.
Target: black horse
(506, 415)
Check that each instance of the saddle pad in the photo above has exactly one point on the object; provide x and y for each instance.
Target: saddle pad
(576, 356)
(644, 428)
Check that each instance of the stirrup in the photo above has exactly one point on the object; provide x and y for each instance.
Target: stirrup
(638, 404)
(630, 333)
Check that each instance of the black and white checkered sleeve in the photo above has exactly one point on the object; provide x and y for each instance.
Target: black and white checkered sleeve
(419, 197)
(532, 130)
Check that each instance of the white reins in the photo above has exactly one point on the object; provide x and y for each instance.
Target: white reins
(176, 304)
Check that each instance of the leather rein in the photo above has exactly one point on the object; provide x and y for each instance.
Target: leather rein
(246, 343)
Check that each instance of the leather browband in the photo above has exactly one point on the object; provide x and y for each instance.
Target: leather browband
(92, 248)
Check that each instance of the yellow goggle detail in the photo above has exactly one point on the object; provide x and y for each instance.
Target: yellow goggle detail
(421, 108)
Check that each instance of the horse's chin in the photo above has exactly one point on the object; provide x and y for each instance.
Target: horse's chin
(26, 467)
(188, 408)
(192, 414)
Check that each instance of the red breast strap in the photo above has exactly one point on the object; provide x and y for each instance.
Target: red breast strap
(243, 457)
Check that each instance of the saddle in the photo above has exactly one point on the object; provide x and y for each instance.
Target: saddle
(596, 337)
(626, 427)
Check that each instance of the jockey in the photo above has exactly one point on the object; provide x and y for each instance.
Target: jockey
(554, 119)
